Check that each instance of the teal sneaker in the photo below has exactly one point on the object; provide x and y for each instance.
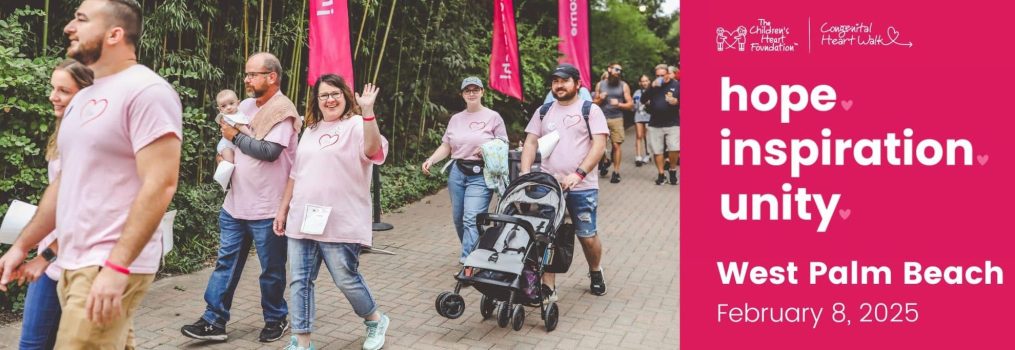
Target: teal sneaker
(375, 333)
(294, 345)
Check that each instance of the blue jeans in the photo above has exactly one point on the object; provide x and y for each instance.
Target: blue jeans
(581, 207)
(342, 259)
(237, 236)
(42, 315)
(469, 197)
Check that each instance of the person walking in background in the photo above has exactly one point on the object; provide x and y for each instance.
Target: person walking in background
(641, 119)
(614, 96)
(663, 99)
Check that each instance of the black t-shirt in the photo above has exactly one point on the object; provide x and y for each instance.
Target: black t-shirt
(663, 114)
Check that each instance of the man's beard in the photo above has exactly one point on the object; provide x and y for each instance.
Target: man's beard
(85, 53)
(567, 96)
(613, 80)
(253, 92)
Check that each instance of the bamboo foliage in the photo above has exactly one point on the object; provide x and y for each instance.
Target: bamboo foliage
(416, 51)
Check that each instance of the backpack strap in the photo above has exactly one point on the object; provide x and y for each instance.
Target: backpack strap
(586, 109)
(543, 109)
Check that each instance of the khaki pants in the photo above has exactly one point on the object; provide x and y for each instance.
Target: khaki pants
(76, 331)
(616, 127)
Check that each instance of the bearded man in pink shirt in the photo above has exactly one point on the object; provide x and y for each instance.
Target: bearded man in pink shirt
(581, 145)
(263, 163)
(119, 145)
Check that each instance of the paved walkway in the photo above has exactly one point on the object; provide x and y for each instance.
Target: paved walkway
(638, 223)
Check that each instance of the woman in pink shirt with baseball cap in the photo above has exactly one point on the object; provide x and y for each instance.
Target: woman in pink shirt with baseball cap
(325, 209)
(467, 131)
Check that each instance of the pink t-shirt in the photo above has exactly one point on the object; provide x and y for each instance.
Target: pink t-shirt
(467, 131)
(105, 125)
(574, 142)
(257, 186)
(331, 170)
(52, 271)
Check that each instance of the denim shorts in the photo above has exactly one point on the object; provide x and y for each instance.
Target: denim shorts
(581, 207)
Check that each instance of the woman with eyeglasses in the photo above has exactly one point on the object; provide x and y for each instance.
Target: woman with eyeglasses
(325, 209)
(466, 132)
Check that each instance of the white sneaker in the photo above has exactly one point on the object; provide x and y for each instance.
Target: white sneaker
(375, 333)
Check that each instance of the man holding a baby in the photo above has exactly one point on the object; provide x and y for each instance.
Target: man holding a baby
(263, 152)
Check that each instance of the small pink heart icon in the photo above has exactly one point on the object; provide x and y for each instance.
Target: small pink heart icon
(847, 104)
(844, 213)
(327, 140)
(474, 126)
(92, 110)
(982, 159)
(572, 120)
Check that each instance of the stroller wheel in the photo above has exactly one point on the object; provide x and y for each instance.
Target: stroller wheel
(450, 305)
(550, 316)
(518, 319)
(437, 302)
(503, 314)
(486, 307)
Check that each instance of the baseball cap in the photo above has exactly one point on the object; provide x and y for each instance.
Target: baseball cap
(566, 70)
(472, 81)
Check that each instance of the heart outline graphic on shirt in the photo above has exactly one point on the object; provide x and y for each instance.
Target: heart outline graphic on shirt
(93, 106)
(476, 126)
(571, 120)
(332, 139)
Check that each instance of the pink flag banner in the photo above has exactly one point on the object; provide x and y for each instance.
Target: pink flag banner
(505, 68)
(330, 50)
(573, 30)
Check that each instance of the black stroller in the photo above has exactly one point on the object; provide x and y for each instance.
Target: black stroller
(516, 246)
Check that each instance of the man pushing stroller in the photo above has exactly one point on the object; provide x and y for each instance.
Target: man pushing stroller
(582, 128)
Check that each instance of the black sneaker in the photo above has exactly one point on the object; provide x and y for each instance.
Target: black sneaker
(639, 163)
(273, 331)
(615, 178)
(673, 178)
(604, 168)
(598, 285)
(660, 179)
(204, 331)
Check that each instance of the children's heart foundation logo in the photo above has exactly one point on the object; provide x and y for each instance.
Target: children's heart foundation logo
(571, 120)
(92, 110)
(327, 140)
(476, 126)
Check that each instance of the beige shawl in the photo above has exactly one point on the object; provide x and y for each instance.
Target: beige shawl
(272, 112)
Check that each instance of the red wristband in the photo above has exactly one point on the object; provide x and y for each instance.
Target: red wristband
(580, 175)
(369, 119)
(117, 268)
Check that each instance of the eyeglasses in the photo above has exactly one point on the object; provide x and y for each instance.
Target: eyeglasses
(334, 95)
(251, 75)
(473, 91)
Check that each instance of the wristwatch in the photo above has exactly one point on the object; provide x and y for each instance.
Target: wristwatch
(581, 172)
(49, 255)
